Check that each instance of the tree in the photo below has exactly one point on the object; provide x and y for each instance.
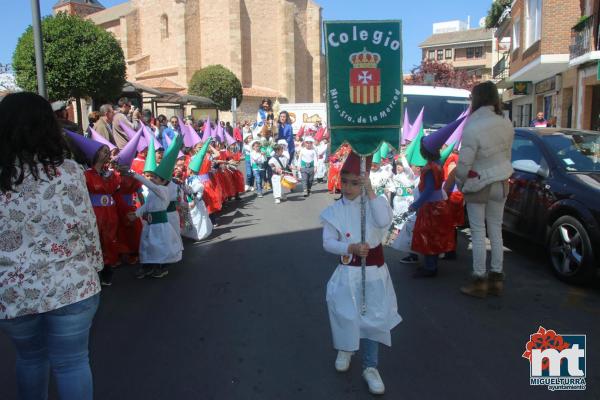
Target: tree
(80, 60)
(444, 74)
(7, 79)
(495, 12)
(217, 83)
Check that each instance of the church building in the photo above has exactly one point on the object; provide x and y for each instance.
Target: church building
(274, 47)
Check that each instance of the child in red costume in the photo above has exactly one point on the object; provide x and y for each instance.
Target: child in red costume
(102, 185)
(129, 232)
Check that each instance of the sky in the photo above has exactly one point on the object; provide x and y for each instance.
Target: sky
(417, 18)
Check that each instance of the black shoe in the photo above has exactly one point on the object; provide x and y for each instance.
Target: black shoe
(160, 272)
(449, 256)
(106, 276)
(424, 273)
(410, 259)
(144, 271)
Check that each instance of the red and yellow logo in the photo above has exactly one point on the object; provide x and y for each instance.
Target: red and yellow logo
(365, 78)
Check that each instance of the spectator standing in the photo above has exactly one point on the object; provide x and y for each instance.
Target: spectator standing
(104, 124)
(127, 115)
(539, 121)
(50, 250)
(482, 173)
(93, 117)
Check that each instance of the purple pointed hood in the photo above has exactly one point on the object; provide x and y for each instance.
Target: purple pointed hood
(457, 134)
(229, 139)
(127, 153)
(87, 146)
(434, 141)
(145, 140)
(190, 136)
(130, 132)
(99, 138)
(405, 126)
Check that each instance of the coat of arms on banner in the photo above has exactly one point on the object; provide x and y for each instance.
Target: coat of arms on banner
(365, 78)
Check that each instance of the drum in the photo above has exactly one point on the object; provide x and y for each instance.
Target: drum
(289, 182)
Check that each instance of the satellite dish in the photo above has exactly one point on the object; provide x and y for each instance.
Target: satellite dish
(482, 22)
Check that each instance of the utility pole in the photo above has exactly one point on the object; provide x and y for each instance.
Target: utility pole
(39, 48)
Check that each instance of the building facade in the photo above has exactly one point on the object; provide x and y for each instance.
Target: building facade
(455, 43)
(548, 61)
(274, 47)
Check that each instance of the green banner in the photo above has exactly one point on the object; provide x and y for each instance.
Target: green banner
(364, 83)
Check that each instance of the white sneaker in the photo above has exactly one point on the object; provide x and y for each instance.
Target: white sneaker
(246, 188)
(277, 201)
(373, 379)
(342, 361)
(252, 188)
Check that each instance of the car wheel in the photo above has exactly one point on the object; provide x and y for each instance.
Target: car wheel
(570, 250)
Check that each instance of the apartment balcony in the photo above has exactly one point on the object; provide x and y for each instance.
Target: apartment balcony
(584, 46)
(501, 72)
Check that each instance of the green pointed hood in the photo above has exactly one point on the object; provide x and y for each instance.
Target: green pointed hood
(384, 150)
(377, 157)
(446, 153)
(150, 164)
(167, 165)
(413, 151)
(196, 161)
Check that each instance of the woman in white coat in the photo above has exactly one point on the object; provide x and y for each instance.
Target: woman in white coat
(484, 166)
(350, 327)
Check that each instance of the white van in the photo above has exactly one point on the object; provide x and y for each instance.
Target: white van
(442, 105)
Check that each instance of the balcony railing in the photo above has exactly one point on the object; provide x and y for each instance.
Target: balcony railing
(501, 69)
(582, 38)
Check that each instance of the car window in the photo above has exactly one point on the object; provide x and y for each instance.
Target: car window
(526, 155)
(577, 152)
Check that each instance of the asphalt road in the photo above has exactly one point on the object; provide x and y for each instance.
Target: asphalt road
(244, 317)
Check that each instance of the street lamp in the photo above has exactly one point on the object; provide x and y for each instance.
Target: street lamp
(39, 49)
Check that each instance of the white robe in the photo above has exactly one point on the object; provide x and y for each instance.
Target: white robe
(341, 226)
(196, 223)
(321, 166)
(174, 215)
(159, 243)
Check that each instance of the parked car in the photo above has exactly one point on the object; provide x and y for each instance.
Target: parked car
(554, 197)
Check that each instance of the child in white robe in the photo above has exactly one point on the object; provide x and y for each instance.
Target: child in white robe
(279, 164)
(351, 329)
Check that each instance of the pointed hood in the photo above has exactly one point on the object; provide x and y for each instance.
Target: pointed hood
(229, 139)
(206, 130)
(377, 157)
(352, 164)
(87, 146)
(127, 153)
(146, 138)
(99, 138)
(167, 165)
(416, 126)
(457, 134)
(413, 151)
(219, 132)
(190, 136)
(130, 132)
(384, 150)
(405, 126)
(446, 153)
(150, 164)
(198, 158)
(434, 141)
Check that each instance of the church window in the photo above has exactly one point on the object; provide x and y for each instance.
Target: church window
(164, 26)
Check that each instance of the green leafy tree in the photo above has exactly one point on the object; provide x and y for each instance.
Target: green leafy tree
(81, 59)
(217, 83)
(495, 12)
(444, 75)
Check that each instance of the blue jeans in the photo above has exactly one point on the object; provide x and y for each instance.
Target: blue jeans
(258, 179)
(249, 174)
(57, 339)
(370, 353)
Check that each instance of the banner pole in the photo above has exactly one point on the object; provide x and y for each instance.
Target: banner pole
(363, 231)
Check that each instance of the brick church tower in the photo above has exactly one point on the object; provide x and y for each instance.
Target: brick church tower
(82, 8)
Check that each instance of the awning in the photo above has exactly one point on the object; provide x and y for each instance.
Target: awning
(183, 99)
(132, 87)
